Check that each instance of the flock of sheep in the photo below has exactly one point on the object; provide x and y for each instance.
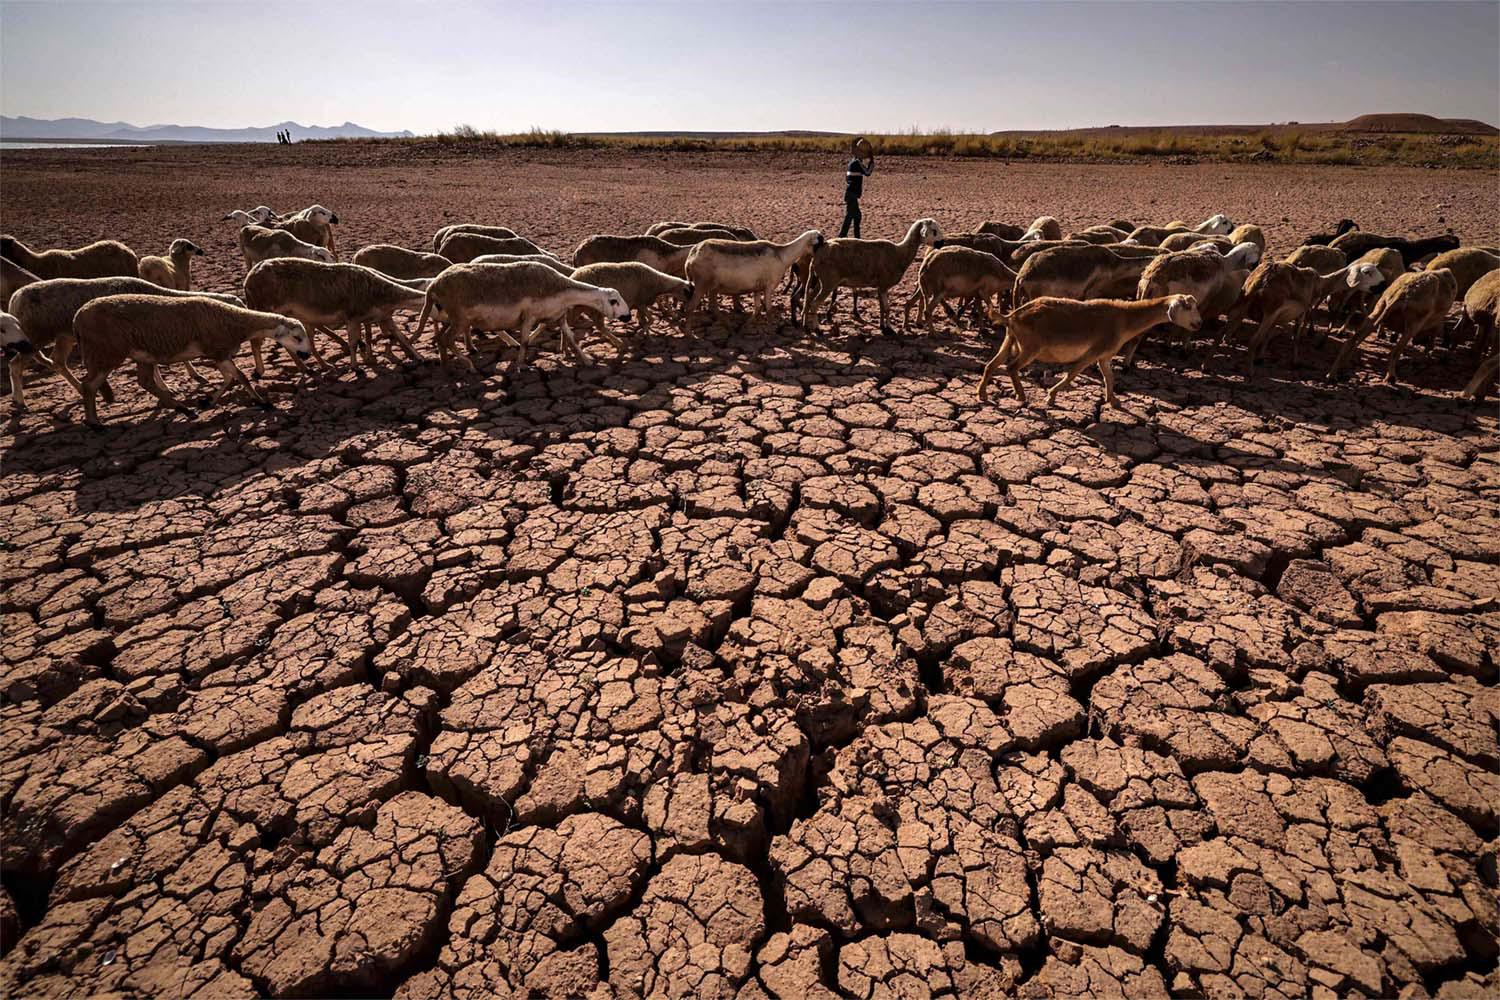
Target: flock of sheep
(1074, 299)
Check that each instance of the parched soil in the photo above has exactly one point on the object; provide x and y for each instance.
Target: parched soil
(748, 665)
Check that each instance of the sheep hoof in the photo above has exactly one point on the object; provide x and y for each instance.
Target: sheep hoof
(94, 426)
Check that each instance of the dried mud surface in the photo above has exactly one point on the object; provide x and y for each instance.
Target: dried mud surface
(749, 665)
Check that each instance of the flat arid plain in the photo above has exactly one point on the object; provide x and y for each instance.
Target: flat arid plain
(749, 664)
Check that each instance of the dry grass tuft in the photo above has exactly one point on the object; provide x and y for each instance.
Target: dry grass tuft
(1271, 145)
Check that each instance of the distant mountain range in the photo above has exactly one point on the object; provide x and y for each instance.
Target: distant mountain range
(88, 130)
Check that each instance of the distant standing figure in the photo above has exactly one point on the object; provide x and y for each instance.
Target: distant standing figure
(854, 184)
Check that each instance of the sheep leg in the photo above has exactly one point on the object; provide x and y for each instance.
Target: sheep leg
(884, 295)
(1135, 345)
(1350, 345)
(1232, 324)
(227, 367)
(1107, 373)
(1258, 340)
(394, 332)
(257, 351)
(833, 304)
(231, 377)
(528, 328)
(192, 370)
(1304, 324)
(930, 309)
(597, 323)
(1066, 380)
(469, 341)
(62, 352)
(443, 337)
(303, 371)
(387, 346)
(1018, 363)
(312, 343)
(89, 389)
(145, 374)
(914, 300)
(353, 347)
(160, 383)
(810, 300)
(989, 369)
(609, 337)
(1397, 349)
(579, 354)
(1406, 337)
(446, 340)
(358, 331)
(346, 346)
(18, 364)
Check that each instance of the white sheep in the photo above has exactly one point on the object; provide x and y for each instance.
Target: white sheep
(504, 297)
(45, 310)
(257, 216)
(399, 262)
(877, 264)
(104, 259)
(733, 267)
(258, 243)
(322, 295)
(175, 270)
(1079, 334)
(152, 331)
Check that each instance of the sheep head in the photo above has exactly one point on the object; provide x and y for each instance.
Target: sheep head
(13, 339)
(292, 335)
(1364, 277)
(1244, 255)
(612, 304)
(1182, 310)
(1218, 225)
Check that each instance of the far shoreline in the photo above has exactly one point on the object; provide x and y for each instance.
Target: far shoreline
(441, 148)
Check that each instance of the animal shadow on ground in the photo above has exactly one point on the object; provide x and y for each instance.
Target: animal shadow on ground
(141, 457)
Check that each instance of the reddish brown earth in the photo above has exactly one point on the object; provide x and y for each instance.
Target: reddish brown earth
(748, 665)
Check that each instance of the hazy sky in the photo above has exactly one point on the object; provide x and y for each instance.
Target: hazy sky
(428, 66)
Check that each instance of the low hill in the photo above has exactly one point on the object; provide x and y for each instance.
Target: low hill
(1411, 122)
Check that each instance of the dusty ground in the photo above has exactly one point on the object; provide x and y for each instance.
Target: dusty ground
(748, 666)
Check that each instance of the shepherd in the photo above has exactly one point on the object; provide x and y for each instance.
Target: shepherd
(859, 168)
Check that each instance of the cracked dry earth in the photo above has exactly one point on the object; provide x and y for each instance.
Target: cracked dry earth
(756, 667)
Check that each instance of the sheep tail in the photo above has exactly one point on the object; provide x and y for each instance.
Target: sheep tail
(422, 319)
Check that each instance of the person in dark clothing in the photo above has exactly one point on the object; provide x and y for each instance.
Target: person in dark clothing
(854, 185)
